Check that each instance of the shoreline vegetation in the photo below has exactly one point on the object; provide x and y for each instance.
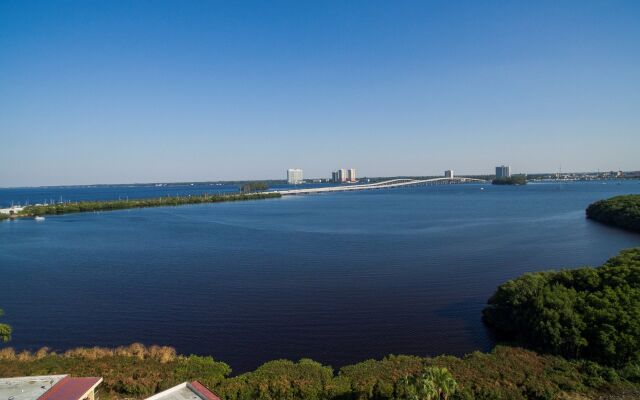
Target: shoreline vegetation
(584, 313)
(506, 372)
(620, 211)
(511, 180)
(112, 205)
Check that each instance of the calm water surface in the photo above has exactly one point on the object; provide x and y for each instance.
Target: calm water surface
(338, 278)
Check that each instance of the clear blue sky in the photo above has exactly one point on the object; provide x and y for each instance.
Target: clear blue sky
(147, 91)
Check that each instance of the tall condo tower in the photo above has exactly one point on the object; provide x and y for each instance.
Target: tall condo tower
(351, 175)
(294, 176)
(344, 175)
(503, 171)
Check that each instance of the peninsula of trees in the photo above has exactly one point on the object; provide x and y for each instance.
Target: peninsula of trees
(111, 205)
(585, 313)
(511, 180)
(620, 211)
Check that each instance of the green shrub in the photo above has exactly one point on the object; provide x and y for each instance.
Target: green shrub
(204, 369)
(620, 211)
(591, 313)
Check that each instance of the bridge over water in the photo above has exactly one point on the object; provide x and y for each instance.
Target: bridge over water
(393, 183)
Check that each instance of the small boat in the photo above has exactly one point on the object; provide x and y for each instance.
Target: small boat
(39, 218)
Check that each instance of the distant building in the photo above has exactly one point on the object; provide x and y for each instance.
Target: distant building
(344, 175)
(184, 391)
(11, 210)
(503, 171)
(448, 173)
(294, 176)
(48, 387)
(351, 175)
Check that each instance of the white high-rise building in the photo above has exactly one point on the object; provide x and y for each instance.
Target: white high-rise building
(344, 175)
(294, 176)
(448, 173)
(503, 171)
(351, 175)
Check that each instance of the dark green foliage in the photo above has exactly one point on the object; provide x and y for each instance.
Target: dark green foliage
(86, 206)
(254, 187)
(512, 180)
(381, 379)
(591, 313)
(5, 330)
(204, 369)
(283, 380)
(508, 373)
(620, 211)
(433, 383)
(631, 372)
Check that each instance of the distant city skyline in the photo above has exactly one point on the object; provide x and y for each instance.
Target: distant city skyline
(114, 92)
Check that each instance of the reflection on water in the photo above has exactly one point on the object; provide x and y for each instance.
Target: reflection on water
(338, 278)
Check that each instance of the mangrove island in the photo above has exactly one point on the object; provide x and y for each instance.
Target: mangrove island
(510, 180)
(620, 211)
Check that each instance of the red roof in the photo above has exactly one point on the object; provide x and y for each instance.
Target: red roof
(203, 391)
(70, 388)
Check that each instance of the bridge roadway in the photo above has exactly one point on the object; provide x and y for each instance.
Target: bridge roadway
(393, 183)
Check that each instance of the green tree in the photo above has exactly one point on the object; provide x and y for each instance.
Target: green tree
(205, 369)
(433, 383)
(511, 180)
(250, 187)
(5, 330)
(591, 313)
(620, 211)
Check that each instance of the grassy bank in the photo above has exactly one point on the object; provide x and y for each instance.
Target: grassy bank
(111, 205)
(505, 373)
(620, 211)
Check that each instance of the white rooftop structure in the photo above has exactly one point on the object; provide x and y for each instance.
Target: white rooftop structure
(14, 209)
(27, 387)
(186, 391)
(48, 387)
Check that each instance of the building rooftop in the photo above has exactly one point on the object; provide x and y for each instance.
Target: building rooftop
(71, 389)
(48, 387)
(28, 387)
(186, 391)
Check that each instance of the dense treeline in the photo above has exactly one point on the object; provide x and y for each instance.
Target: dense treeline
(591, 313)
(620, 211)
(86, 206)
(511, 180)
(250, 187)
(505, 373)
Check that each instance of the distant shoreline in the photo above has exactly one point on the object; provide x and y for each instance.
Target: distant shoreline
(112, 205)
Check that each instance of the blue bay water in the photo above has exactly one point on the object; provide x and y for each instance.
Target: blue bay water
(339, 278)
